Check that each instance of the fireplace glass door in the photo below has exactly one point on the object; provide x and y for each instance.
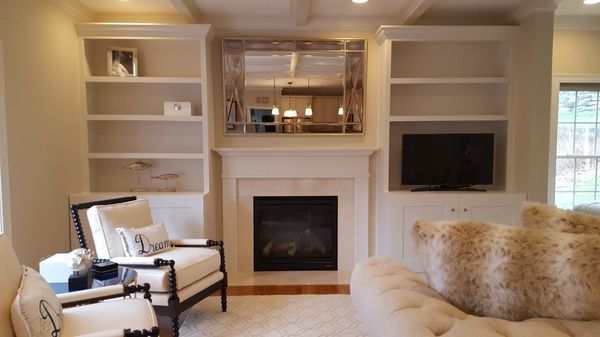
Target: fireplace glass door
(295, 233)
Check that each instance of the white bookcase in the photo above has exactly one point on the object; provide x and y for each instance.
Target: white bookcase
(443, 79)
(124, 115)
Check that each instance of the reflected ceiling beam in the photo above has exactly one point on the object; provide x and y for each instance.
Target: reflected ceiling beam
(188, 9)
(414, 10)
(294, 64)
(301, 11)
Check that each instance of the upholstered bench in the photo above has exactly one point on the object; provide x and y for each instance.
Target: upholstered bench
(393, 301)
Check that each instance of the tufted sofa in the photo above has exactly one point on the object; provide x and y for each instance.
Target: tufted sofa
(393, 301)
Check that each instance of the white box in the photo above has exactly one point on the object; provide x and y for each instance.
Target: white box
(178, 108)
(54, 268)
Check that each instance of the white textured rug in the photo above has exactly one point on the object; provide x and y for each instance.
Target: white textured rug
(274, 316)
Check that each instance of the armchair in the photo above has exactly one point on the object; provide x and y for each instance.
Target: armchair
(106, 319)
(180, 277)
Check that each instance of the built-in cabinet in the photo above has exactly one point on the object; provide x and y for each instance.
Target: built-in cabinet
(500, 208)
(443, 79)
(125, 119)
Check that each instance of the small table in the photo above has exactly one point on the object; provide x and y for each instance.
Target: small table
(124, 276)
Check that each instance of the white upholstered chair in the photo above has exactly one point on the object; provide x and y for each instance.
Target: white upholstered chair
(106, 319)
(180, 277)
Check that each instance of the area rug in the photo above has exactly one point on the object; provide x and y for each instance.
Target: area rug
(274, 316)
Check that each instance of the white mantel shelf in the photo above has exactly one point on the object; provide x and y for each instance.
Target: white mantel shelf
(295, 163)
(286, 167)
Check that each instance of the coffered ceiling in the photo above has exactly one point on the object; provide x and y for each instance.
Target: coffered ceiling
(313, 14)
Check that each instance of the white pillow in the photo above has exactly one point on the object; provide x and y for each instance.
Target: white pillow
(145, 241)
(35, 311)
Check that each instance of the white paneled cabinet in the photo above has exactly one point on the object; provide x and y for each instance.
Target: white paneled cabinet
(500, 208)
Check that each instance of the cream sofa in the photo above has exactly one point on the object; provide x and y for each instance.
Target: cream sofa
(393, 301)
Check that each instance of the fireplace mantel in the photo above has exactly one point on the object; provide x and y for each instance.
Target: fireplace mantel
(250, 172)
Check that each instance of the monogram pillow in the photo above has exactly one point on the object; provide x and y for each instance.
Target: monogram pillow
(35, 311)
(145, 241)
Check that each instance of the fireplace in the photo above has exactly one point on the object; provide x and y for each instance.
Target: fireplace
(295, 233)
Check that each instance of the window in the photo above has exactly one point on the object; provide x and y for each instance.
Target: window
(577, 145)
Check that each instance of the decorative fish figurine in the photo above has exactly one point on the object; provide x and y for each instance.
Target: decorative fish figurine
(138, 166)
(167, 176)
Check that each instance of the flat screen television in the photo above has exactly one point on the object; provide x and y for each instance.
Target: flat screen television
(448, 161)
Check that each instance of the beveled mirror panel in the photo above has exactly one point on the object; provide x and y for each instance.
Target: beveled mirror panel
(294, 86)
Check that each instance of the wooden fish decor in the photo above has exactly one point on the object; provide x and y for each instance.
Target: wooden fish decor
(167, 176)
(138, 165)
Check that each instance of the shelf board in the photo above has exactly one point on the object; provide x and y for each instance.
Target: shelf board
(134, 79)
(455, 118)
(146, 118)
(449, 80)
(143, 155)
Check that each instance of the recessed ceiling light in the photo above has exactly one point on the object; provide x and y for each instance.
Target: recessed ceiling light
(591, 2)
(363, 1)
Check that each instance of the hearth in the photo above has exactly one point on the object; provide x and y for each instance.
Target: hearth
(295, 233)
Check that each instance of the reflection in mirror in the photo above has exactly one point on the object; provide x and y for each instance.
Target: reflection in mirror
(294, 87)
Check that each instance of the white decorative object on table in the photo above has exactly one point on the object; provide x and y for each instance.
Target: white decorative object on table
(80, 259)
(178, 108)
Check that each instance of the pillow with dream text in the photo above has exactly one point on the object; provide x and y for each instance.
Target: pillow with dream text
(35, 311)
(542, 216)
(145, 241)
(510, 272)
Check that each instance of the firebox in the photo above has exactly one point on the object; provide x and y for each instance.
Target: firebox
(295, 233)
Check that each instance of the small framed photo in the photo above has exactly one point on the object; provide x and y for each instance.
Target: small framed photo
(122, 61)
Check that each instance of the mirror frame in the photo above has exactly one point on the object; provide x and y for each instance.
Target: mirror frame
(237, 119)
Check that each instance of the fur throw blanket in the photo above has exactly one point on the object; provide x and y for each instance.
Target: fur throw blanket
(535, 215)
(509, 272)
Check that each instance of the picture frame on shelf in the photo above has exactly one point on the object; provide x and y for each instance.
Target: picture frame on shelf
(122, 62)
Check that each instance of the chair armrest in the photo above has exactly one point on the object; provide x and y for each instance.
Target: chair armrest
(141, 261)
(97, 294)
(195, 243)
(152, 332)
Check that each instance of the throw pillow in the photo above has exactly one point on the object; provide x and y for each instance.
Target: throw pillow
(509, 272)
(35, 311)
(145, 241)
(535, 215)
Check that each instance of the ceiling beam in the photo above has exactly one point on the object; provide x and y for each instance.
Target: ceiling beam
(75, 9)
(529, 7)
(301, 11)
(414, 11)
(188, 9)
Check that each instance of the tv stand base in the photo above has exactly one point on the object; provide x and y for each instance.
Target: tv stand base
(441, 188)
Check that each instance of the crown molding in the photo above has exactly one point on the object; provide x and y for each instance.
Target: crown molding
(445, 33)
(529, 7)
(577, 22)
(75, 9)
(136, 30)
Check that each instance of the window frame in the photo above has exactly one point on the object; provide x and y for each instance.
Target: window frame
(557, 81)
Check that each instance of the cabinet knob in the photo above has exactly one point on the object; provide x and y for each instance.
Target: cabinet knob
(466, 209)
(452, 209)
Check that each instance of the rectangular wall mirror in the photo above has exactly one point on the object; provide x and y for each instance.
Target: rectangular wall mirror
(294, 86)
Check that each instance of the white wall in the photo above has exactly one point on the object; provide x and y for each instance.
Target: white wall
(576, 52)
(43, 112)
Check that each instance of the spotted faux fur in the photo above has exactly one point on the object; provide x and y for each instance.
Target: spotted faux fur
(509, 272)
(535, 215)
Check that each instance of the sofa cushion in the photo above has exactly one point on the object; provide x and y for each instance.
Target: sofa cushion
(145, 241)
(391, 300)
(191, 264)
(542, 216)
(588, 207)
(509, 272)
(35, 311)
(9, 283)
(104, 219)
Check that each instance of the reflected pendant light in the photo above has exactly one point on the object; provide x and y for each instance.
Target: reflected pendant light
(341, 110)
(308, 110)
(290, 112)
(275, 110)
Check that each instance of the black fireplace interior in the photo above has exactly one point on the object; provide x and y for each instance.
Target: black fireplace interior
(295, 233)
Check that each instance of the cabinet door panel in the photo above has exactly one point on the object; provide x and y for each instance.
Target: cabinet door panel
(431, 213)
(494, 214)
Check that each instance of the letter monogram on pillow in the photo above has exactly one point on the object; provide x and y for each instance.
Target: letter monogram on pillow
(145, 241)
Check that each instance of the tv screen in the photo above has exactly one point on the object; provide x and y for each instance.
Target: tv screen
(448, 159)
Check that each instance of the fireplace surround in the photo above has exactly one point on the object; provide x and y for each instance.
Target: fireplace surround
(252, 172)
